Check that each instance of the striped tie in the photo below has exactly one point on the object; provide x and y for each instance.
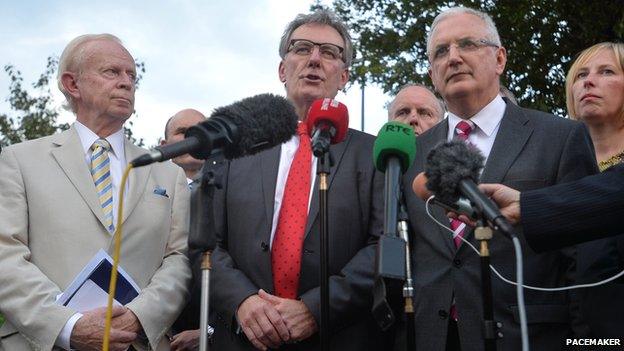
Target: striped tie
(100, 172)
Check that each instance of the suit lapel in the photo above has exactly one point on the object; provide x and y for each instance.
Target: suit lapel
(70, 156)
(336, 153)
(137, 179)
(437, 136)
(269, 161)
(512, 135)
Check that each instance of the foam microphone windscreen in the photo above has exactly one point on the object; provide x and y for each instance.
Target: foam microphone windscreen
(394, 139)
(262, 121)
(448, 164)
(331, 111)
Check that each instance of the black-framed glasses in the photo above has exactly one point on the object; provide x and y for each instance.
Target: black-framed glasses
(464, 45)
(304, 47)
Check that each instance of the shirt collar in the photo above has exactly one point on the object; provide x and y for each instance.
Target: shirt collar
(88, 137)
(487, 119)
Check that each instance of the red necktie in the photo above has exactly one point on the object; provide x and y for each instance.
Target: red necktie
(288, 241)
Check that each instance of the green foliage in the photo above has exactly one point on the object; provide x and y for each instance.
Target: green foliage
(541, 38)
(33, 113)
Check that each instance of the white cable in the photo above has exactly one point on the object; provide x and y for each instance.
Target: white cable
(500, 276)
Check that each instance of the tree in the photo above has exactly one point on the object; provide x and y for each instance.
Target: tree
(541, 38)
(35, 115)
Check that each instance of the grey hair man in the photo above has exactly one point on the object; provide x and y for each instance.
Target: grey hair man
(266, 266)
(58, 208)
(524, 148)
(416, 105)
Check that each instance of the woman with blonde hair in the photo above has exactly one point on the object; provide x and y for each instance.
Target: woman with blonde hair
(595, 96)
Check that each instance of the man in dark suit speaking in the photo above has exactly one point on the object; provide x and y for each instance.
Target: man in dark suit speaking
(525, 149)
(265, 274)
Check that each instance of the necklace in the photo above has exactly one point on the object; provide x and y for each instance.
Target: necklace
(613, 160)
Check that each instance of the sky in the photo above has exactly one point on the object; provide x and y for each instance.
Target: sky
(197, 54)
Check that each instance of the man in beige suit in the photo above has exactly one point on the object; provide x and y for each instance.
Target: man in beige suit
(55, 215)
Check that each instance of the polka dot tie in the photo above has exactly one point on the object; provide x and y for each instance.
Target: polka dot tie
(288, 241)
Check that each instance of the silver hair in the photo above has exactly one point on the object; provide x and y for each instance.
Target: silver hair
(325, 17)
(72, 59)
(440, 101)
(490, 27)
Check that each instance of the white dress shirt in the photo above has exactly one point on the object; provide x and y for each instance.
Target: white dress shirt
(485, 124)
(117, 157)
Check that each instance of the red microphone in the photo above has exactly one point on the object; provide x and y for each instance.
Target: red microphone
(328, 120)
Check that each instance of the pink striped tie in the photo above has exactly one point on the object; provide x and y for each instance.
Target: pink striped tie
(462, 132)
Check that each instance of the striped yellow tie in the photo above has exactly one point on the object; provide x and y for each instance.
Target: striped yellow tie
(100, 171)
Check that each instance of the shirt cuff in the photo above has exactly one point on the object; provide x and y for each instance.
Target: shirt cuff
(64, 338)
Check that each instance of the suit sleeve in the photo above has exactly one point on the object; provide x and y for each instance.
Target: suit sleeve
(571, 213)
(160, 302)
(350, 292)
(26, 293)
(232, 286)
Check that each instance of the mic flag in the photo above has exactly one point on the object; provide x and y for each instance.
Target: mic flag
(328, 120)
(394, 139)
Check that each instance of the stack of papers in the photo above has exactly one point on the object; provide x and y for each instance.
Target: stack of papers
(89, 289)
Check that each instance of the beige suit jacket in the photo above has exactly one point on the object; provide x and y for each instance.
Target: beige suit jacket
(51, 224)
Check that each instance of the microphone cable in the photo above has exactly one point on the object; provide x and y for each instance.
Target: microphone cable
(116, 253)
(524, 329)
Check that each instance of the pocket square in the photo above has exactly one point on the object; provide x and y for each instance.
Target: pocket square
(160, 191)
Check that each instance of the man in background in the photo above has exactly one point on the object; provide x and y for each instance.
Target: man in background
(416, 105)
(174, 131)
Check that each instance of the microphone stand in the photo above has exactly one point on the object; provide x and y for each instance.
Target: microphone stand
(322, 170)
(202, 220)
(408, 287)
(490, 327)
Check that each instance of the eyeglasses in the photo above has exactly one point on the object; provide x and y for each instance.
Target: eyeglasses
(464, 45)
(304, 47)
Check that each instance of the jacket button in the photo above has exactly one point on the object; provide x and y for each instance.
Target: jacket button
(443, 314)
(457, 262)
(264, 246)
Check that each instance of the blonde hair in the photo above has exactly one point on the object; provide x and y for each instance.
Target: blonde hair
(581, 60)
(72, 59)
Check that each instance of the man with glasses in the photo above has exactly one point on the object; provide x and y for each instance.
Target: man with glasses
(265, 275)
(416, 105)
(525, 149)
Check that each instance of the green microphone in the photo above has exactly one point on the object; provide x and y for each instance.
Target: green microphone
(394, 140)
(393, 154)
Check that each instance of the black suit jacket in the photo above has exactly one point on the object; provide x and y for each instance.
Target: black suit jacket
(582, 211)
(567, 214)
(242, 259)
(531, 150)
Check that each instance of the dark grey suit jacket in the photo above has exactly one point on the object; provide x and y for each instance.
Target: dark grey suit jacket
(242, 259)
(531, 150)
(581, 211)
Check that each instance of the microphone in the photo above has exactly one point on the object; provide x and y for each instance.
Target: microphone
(461, 206)
(393, 153)
(243, 128)
(328, 121)
(452, 169)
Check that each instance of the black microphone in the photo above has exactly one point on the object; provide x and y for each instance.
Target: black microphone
(243, 128)
(452, 170)
(461, 206)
